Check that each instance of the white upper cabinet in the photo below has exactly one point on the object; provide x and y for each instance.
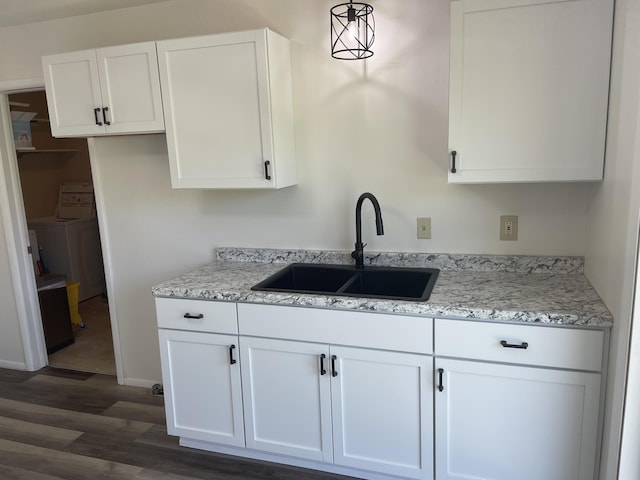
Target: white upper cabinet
(529, 86)
(228, 108)
(114, 90)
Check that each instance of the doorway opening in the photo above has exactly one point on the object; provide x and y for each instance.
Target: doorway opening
(57, 191)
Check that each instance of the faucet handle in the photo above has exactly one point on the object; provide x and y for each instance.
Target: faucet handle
(358, 256)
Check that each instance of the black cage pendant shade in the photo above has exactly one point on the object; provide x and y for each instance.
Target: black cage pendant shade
(352, 31)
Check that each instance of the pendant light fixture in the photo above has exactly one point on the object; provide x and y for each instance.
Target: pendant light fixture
(352, 31)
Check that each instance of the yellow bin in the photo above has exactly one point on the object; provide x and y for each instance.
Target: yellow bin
(72, 297)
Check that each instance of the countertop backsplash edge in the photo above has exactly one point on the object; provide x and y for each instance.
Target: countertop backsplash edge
(445, 262)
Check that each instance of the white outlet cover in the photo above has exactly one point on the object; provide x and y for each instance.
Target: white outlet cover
(424, 227)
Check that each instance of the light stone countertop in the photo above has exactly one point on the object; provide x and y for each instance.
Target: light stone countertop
(543, 290)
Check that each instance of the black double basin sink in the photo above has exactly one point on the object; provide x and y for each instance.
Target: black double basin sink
(391, 283)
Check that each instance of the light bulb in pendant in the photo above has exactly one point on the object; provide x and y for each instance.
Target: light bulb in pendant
(352, 25)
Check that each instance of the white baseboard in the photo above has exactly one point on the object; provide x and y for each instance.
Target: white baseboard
(13, 365)
(139, 382)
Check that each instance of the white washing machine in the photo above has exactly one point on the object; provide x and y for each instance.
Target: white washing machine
(72, 247)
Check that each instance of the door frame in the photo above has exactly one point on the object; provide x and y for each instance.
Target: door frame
(17, 238)
(628, 461)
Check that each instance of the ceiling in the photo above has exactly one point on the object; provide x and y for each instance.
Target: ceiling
(19, 12)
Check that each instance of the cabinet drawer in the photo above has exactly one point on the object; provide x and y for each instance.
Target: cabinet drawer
(218, 317)
(357, 329)
(523, 344)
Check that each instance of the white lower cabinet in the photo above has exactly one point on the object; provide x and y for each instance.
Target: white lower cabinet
(354, 407)
(380, 396)
(287, 398)
(382, 406)
(502, 422)
(499, 421)
(202, 392)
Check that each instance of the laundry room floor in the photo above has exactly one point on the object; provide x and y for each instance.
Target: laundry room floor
(92, 350)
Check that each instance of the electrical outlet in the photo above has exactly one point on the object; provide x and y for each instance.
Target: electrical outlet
(424, 227)
(509, 227)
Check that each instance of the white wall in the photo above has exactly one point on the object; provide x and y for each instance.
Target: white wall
(614, 207)
(379, 126)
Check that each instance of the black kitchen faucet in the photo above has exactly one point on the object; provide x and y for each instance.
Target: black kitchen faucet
(358, 253)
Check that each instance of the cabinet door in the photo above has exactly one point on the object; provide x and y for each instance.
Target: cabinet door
(131, 88)
(73, 94)
(382, 411)
(202, 392)
(287, 400)
(220, 125)
(501, 422)
(529, 89)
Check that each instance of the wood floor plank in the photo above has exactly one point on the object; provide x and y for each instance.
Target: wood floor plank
(59, 425)
(14, 473)
(185, 462)
(189, 462)
(62, 464)
(83, 422)
(158, 436)
(149, 474)
(65, 373)
(58, 395)
(108, 385)
(14, 376)
(104, 386)
(136, 411)
(64, 393)
(57, 380)
(36, 434)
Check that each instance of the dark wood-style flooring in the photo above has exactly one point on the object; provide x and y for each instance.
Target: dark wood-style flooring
(60, 424)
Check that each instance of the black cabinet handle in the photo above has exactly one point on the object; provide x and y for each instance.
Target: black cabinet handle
(523, 345)
(104, 115)
(232, 360)
(323, 371)
(95, 114)
(440, 374)
(453, 161)
(197, 316)
(334, 372)
(266, 169)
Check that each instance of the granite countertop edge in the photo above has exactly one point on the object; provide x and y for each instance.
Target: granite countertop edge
(520, 289)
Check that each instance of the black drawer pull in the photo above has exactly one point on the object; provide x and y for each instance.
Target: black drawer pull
(334, 372)
(453, 161)
(232, 360)
(266, 170)
(523, 345)
(95, 113)
(440, 374)
(323, 371)
(104, 115)
(197, 317)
